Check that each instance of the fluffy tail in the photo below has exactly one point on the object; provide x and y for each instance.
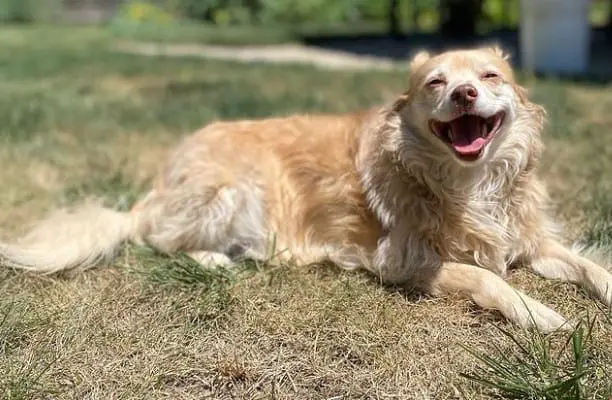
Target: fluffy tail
(70, 239)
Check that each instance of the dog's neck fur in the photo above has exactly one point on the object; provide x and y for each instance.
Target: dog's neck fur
(406, 180)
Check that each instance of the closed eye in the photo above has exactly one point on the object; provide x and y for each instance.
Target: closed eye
(436, 82)
(490, 75)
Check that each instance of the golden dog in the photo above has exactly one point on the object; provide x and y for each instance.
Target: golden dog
(437, 190)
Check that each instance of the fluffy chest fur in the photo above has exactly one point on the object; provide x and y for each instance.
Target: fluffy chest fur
(474, 225)
(484, 216)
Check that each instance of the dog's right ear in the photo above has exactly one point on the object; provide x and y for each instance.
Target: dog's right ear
(418, 60)
(499, 52)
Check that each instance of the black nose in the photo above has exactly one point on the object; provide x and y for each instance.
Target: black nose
(464, 95)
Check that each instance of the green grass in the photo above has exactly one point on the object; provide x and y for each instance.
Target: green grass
(194, 32)
(238, 35)
(539, 368)
(79, 120)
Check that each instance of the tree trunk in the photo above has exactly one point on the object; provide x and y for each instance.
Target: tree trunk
(609, 25)
(394, 18)
(458, 18)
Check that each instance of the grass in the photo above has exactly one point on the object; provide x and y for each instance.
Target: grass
(187, 31)
(537, 370)
(194, 32)
(79, 121)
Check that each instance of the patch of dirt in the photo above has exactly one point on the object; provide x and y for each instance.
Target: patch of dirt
(286, 54)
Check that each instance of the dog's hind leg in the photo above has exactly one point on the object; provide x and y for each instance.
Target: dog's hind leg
(212, 259)
(556, 261)
(206, 222)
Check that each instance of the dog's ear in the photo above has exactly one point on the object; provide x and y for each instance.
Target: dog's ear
(418, 60)
(499, 52)
(537, 112)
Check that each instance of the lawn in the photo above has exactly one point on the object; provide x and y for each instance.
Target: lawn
(81, 121)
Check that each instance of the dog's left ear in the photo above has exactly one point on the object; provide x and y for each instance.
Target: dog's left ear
(418, 60)
(499, 52)
(537, 112)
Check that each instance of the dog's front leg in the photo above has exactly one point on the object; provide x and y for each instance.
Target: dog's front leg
(489, 291)
(399, 258)
(412, 263)
(555, 261)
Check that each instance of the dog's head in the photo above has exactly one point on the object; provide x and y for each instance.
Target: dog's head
(467, 104)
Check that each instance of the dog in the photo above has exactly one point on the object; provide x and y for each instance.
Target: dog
(436, 190)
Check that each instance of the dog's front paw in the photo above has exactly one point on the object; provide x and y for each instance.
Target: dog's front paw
(531, 313)
(604, 289)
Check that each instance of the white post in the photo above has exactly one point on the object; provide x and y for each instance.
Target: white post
(555, 35)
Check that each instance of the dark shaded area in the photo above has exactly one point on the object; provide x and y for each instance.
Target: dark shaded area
(458, 18)
(394, 17)
(402, 47)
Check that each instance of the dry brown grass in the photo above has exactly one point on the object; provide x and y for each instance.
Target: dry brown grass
(156, 328)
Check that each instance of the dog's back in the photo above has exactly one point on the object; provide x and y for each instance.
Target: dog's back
(233, 186)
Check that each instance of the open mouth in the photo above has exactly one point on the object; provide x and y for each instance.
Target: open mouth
(468, 135)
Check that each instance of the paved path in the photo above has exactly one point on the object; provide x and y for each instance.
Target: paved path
(287, 53)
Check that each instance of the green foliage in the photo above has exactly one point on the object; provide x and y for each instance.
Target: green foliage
(201, 32)
(414, 15)
(226, 12)
(16, 11)
(501, 12)
(220, 12)
(25, 11)
(143, 11)
(537, 370)
(294, 11)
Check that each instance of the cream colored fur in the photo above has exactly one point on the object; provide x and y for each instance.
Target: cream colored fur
(375, 190)
(70, 239)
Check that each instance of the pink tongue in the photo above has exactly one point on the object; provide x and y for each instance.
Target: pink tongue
(470, 148)
(467, 138)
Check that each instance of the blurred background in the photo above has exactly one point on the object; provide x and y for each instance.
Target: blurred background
(561, 36)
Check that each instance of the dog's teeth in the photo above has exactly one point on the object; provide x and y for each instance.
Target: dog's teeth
(450, 134)
(484, 129)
